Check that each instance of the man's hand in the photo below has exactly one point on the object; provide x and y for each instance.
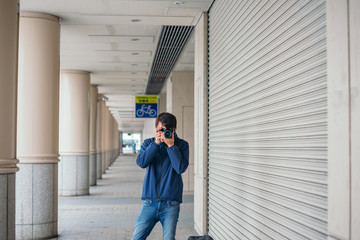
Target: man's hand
(158, 136)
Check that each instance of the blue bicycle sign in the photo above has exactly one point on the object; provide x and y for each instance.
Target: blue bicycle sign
(146, 111)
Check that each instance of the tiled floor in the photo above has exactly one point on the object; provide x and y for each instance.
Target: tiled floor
(110, 211)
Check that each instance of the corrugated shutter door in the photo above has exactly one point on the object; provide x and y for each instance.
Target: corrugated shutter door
(267, 120)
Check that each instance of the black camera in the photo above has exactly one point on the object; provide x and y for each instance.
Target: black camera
(167, 132)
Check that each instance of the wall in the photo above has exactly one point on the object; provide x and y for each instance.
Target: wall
(162, 103)
(201, 126)
(180, 102)
(343, 34)
(169, 90)
(149, 128)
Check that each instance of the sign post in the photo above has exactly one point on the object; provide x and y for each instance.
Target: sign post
(146, 106)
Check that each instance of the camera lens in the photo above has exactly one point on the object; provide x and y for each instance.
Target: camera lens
(167, 133)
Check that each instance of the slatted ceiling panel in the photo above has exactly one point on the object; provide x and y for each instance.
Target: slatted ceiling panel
(171, 43)
(267, 120)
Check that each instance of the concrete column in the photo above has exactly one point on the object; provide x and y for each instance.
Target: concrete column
(93, 115)
(120, 143)
(107, 136)
(343, 51)
(103, 138)
(181, 101)
(74, 133)
(117, 139)
(99, 133)
(112, 139)
(201, 126)
(38, 128)
(8, 93)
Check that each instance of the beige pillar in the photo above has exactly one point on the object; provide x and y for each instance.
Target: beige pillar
(111, 138)
(99, 123)
(74, 133)
(201, 126)
(120, 143)
(93, 115)
(8, 91)
(117, 139)
(37, 133)
(103, 137)
(113, 133)
(113, 149)
(343, 61)
(107, 136)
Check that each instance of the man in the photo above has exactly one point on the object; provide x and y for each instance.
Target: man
(165, 158)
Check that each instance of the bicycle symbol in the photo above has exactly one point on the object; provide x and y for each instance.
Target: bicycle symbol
(146, 110)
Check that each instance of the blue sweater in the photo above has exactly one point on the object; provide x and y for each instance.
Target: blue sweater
(164, 166)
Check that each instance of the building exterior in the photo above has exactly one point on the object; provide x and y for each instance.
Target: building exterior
(271, 112)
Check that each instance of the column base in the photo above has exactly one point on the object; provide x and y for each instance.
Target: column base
(93, 165)
(7, 206)
(37, 231)
(103, 167)
(74, 175)
(37, 201)
(98, 165)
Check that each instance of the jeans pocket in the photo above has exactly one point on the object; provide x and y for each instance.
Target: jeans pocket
(174, 204)
(147, 203)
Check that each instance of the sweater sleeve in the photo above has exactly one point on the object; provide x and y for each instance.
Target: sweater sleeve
(146, 153)
(179, 157)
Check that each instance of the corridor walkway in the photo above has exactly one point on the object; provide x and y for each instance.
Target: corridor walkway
(110, 211)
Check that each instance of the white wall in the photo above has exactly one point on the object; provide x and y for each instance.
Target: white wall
(149, 128)
(162, 103)
(200, 138)
(180, 102)
(343, 34)
(169, 90)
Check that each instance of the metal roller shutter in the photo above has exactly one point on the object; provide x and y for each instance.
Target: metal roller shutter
(267, 120)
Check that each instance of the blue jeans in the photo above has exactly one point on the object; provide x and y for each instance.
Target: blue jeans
(167, 212)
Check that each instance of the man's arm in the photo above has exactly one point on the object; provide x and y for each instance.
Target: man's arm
(179, 157)
(146, 153)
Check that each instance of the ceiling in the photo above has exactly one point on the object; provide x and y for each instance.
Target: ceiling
(116, 40)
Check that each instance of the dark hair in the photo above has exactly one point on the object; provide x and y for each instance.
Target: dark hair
(168, 119)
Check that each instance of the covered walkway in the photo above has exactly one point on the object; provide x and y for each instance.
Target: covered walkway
(110, 211)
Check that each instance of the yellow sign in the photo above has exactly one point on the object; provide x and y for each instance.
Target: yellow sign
(146, 99)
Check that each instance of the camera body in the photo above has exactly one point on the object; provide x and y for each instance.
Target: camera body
(168, 132)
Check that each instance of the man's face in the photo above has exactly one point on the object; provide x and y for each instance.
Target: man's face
(160, 126)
